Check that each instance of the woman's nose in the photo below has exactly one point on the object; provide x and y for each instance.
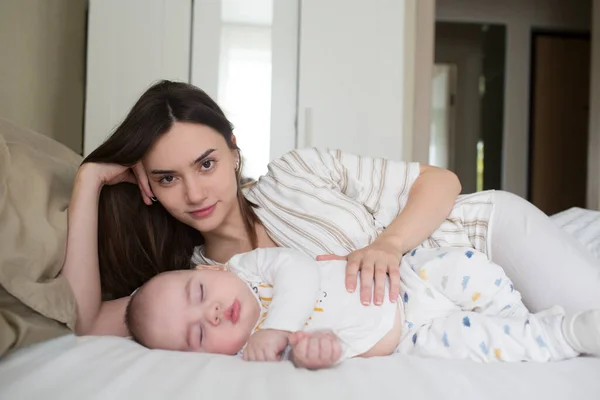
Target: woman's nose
(194, 191)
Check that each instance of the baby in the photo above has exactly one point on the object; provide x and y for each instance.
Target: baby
(455, 303)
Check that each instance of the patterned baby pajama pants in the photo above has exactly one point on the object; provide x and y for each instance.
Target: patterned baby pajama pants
(460, 305)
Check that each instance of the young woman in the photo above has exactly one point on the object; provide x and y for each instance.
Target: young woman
(178, 147)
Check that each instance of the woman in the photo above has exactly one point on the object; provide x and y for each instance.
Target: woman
(187, 167)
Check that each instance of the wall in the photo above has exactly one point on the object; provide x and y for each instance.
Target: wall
(520, 17)
(131, 44)
(351, 77)
(419, 37)
(593, 198)
(42, 66)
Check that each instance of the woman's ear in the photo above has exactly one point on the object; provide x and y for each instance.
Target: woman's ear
(201, 267)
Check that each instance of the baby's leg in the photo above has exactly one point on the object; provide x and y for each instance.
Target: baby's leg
(467, 278)
(485, 338)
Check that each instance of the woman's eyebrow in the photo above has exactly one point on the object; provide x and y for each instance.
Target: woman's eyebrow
(195, 162)
(202, 157)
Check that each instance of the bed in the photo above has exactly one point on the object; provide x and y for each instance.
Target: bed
(69, 367)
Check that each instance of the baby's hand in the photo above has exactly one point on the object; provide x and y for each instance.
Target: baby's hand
(314, 350)
(266, 345)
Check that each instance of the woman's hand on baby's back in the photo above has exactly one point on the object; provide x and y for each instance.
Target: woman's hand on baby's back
(375, 262)
(266, 345)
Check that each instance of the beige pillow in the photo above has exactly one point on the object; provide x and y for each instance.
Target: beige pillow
(36, 177)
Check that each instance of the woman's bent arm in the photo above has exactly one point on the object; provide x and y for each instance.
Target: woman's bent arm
(431, 199)
(81, 267)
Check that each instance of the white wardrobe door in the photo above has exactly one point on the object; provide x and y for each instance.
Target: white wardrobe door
(351, 76)
(131, 45)
(244, 55)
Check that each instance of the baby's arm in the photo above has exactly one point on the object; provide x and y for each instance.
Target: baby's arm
(296, 286)
(315, 350)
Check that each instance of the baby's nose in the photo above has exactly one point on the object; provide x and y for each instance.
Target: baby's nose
(216, 314)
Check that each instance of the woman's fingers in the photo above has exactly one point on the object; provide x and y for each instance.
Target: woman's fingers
(352, 268)
(142, 180)
(329, 257)
(367, 274)
(394, 275)
(381, 268)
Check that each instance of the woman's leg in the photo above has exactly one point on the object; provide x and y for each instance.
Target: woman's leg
(546, 264)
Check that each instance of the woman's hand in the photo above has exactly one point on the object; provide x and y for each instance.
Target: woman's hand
(111, 174)
(375, 262)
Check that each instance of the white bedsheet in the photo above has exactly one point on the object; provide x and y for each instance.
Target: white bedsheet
(116, 368)
(583, 224)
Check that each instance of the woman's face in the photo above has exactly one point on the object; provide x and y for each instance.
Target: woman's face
(192, 173)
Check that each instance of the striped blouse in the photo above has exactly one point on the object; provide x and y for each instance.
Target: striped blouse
(330, 202)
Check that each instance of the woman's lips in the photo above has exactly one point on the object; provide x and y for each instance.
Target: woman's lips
(203, 212)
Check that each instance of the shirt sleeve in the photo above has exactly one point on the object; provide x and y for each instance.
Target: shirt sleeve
(295, 280)
(382, 186)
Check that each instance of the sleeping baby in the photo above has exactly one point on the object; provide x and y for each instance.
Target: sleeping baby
(276, 303)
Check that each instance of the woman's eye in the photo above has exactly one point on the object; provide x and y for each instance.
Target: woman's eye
(201, 292)
(201, 335)
(208, 165)
(167, 179)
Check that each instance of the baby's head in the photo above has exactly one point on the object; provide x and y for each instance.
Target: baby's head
(206, 310)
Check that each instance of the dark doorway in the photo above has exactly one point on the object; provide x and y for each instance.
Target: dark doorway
(559, 115)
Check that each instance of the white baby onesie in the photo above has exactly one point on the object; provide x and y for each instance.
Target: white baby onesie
(460, 305)
(297, 293)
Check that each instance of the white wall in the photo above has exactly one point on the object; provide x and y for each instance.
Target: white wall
(520, 17)
(419, 38)
(593, 198)
(42, 66)
(131, 45)
(351, 76)
(281, 18)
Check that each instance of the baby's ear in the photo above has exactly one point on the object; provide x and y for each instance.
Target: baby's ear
(201, 267)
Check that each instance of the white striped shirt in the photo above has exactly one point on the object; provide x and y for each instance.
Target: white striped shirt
(329, 202)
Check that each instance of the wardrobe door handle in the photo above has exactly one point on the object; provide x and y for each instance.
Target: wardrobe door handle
(308, 140)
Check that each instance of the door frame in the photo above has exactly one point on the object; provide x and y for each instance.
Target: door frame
(420, 28)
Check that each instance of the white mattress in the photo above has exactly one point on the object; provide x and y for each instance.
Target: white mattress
(583, 224)
(117, 368)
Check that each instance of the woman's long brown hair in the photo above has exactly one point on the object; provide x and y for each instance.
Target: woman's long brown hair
(136, 241)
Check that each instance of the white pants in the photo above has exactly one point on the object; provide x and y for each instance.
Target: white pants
(546, 264)
(460, 305)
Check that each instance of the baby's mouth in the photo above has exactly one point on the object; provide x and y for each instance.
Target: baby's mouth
(233, 312)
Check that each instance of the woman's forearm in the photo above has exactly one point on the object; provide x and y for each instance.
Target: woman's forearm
(81, 261)
(81, 268)
(430, 200)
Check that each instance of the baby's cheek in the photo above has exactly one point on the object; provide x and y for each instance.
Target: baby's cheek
(228, 342)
